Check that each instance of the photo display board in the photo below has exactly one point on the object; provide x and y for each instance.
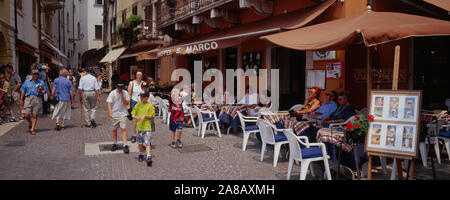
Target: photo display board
(395, 129)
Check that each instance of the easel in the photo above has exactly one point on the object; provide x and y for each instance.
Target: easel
(399, 159)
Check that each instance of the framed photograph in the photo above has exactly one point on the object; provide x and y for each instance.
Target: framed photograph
(395, 129)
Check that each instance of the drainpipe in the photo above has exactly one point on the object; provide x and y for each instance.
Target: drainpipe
(16, 67)
(39, 30)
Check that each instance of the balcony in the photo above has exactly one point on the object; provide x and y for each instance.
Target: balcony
(50, 5)
(185, 8)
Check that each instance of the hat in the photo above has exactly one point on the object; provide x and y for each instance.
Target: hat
(34, 71)
(144, 84)
(44, 67)
(144, 94)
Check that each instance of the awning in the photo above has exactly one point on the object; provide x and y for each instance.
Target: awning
(140, 47)
(26, 49)
(46, 42)
(57, 62)
(113, 55)
(151, 55)
(238, 34)
(444, 4)
(371, 28)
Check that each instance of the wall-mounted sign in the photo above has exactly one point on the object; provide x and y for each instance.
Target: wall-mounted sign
(334, 70)
(324, 55)
(395, 128)
(189, 49)
(379, 75)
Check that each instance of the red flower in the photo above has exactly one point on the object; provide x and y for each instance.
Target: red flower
(371, 118)
(350, 126)
(358, 125)
(424, 119)
(356, 116)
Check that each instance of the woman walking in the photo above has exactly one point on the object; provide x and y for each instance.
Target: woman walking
(134, 89)
(63, 91)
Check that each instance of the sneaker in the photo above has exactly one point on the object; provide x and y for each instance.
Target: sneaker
(114, 147)
(173, 145)
(133, 139)
(179, 144)
(13, 119)
(93, 124)
(140, 158)
(126, 150)
(149, 161)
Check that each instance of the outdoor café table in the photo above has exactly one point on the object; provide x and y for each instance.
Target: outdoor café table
(287, 122)
(211, 107)
(232, 110)
(337, 138)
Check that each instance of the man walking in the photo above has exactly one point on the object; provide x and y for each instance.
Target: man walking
(31, 99)
(14, 84)
(89, 92)
(118, 112)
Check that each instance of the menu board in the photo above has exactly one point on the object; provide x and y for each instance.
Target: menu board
(396, 122)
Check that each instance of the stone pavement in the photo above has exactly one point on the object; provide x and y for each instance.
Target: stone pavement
(67, 155)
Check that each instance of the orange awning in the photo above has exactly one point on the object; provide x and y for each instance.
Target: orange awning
(444, 4)
(139, 48)
(371, 28)
(238, 34)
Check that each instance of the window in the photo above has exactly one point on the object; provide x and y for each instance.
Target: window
(68, 22)
(99, 2)
(19, 5)
(34, 11)
(124, 16)
(135, 10)
(79, 31)
(98, 32)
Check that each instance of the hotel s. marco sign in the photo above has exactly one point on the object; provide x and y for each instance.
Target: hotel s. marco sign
(189, 49)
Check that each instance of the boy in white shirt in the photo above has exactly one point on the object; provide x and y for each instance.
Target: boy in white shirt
(118, 112)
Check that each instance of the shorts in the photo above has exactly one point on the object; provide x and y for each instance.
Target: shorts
(143, 137)
(6, 102)
(32, 105)
(174, 126)
(119, 122)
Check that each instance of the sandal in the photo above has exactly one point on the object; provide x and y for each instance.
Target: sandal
(33, 132)
(133, 139)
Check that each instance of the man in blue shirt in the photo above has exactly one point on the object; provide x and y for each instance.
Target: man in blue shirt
(31, 99)
(327, 108)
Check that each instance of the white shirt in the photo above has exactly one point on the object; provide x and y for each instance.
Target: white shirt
(136, 90)
(88, 83)
(118, 108)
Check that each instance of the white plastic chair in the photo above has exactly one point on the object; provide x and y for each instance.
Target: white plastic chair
(165, 112)
(268, 132)
(204, 122)
(296, 107)
(158, 101)
(313, 152)
(433, 130)
(247, 130)
(444, 135)
(188, 113)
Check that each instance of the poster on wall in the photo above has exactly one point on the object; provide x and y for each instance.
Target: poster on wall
(315, 78)
(334, 70)
(395, 129)
(252, 60)
(324, 55)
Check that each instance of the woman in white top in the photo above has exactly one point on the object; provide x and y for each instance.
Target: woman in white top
(134, 88)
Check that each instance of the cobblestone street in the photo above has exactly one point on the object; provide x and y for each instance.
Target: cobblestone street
(61, 155)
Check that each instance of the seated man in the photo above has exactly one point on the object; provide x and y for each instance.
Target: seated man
(326, 109)
(250, 100)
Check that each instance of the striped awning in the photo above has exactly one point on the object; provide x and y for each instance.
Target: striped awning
(113, 55)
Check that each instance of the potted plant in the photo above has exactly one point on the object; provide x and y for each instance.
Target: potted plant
(357, 130)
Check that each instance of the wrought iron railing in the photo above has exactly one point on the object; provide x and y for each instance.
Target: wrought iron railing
(167, 15)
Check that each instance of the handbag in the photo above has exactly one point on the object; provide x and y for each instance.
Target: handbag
(55, 100)
(130, 116)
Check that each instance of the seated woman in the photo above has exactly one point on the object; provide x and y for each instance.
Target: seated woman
(311, 104)
(342, 113)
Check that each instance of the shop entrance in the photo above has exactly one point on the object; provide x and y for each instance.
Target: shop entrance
(291, 64)
(431, 71)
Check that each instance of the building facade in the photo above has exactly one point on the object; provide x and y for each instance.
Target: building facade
(7, 33)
